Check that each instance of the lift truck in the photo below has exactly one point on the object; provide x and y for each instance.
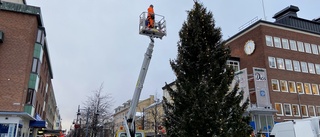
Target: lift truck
(159, 30)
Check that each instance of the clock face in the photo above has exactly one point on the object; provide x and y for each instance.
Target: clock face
(249, 47)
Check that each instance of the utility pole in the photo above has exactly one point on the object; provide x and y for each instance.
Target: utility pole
(87, 124)
(76, 123)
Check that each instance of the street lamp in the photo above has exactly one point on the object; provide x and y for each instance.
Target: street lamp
(87, 121)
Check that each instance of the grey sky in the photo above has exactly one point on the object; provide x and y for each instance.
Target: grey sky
(95, 41)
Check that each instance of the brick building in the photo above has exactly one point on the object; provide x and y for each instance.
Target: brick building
(283, 67)
(25, 71)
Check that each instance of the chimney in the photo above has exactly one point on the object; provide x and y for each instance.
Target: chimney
(288, 11)
(316, 20)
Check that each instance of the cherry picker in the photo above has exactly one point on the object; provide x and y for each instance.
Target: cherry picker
(158, 31)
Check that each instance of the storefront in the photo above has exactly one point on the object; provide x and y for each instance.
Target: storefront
(14, 124)
(36, 126)
(262, 121)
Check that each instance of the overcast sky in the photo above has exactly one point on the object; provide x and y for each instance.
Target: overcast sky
(97, 41)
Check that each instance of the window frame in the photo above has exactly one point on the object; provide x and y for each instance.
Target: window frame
(311, 68)
(306, 108)
(36, 66)
(298, 111)
(304, 67)
(317, 68)
(277, 84)
(270, 59)
(283, 83)
(234, 64)
(31, 96)
(295, 68)
(269, 40)
(280, 62)
(281, 107)
(314, 48)
(285, 43)
(288, 64)
(302, 87)
(40, 36)
(294, 87)
(317, 110)
(277, 42)
(307, 48)
(314, 111)
(285, 109)
(307, 87)
(293, 45)
(314, 87)
(300, 46)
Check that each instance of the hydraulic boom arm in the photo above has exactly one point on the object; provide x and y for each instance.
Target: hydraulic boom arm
(129, 119)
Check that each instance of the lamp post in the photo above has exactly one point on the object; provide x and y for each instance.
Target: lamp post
(87, 125)
(87, 121)
(76, 123)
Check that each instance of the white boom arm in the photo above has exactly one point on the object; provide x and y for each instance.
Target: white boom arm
(129, 119)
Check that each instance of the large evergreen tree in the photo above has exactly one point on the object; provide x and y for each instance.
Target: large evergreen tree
(201, 103)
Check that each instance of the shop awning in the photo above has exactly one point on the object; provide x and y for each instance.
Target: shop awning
(37, 124)
(25, 115)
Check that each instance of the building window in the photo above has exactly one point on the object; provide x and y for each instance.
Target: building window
(275, 85)
(315, 89)
(280, 63)
(31, 97)
(295, 110)
(307, 47)
(287, 109)
(269, 41)
(311, 68)
(293, 45)
(292, 87)
(285, 43)
(311, 111)
(234, 65)
(272, 62)
(36, 64)
(318, 110)
(304, 67)
(300, 46)
(40, 36)
(284, 87)
(307, 88)
(278, 107)
(314, 49)
(300, 88)
(296, 66)
(304, 110)
(288, 64)
(277, 42)
(318, 68)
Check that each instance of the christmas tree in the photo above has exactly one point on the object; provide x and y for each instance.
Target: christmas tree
(202, 104)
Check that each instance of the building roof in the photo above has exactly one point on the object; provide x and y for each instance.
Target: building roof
(286, 18)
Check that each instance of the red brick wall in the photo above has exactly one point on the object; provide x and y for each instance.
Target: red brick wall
(260, 59)
(16, 57)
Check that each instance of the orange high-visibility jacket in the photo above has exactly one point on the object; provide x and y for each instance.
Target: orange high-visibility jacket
(150, 11)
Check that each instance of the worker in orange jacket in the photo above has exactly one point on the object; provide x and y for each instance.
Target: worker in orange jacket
(150, 17)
